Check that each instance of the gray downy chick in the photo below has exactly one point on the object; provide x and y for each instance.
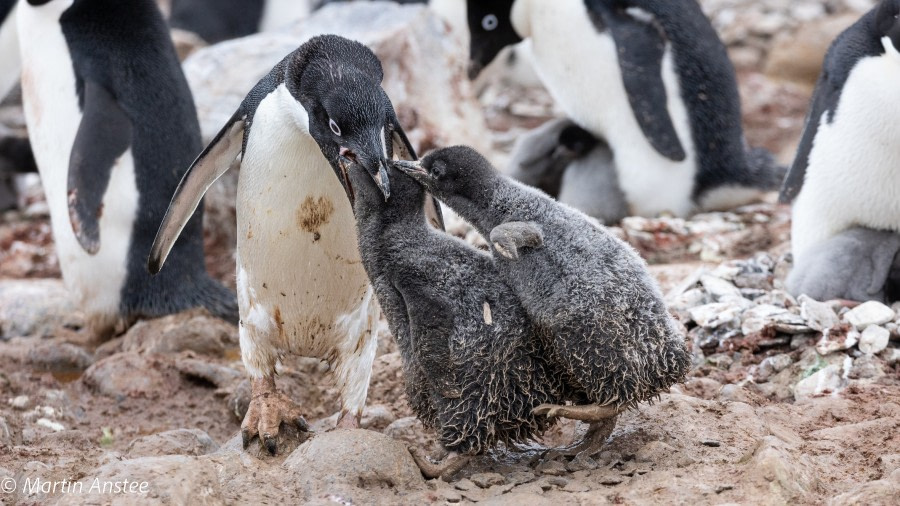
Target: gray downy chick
(568, 163)
(474, 370)
(608, 326)
(859, 264)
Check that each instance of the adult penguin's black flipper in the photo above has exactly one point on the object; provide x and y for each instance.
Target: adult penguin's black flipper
(822, 108)
(640, 48)
(91, 162)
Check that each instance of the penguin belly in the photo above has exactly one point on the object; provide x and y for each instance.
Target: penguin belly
(302, 288)
(852, 176)
(53, 117)
(580, 68)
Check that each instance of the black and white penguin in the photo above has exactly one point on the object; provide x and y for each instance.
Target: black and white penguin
(302, 288)
(606, 324)
(218, 20)
(844, 174)
(474, 366)
(653, 80)
(112, 124)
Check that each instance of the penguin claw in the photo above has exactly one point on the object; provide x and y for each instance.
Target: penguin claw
(268, 410)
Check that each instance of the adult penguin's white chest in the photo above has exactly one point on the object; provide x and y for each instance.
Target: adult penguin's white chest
(579, 67)
(853, 175)
(53, 117)
(302, 288)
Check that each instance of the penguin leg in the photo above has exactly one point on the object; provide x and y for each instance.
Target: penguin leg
(353, 367)
(509, 237)
(585, 413)
(268, 409)
(592, 441)
(451, 465)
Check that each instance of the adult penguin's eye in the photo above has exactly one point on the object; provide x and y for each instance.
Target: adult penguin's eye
(334, 127)
(490, 22)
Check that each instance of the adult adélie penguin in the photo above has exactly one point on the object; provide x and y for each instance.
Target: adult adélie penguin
(302, 288)
(845, 173)
(654, 81)
(113, 124)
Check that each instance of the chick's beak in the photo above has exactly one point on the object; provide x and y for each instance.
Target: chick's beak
(414, 169)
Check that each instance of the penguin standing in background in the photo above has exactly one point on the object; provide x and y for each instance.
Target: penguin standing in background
(846, 170)
(218, 20)
(112, 125)
(654, 82)
(302, 288)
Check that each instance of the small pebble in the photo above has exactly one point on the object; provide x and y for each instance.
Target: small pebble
(487, 480)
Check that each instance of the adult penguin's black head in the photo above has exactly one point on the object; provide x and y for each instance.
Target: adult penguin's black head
(887, 21)
(338, 83)
(491, 30)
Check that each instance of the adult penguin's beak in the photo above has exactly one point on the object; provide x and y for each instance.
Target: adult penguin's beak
(373, 158)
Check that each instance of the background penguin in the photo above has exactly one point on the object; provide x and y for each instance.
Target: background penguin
(607, 325)
(858, 264)
(655, 83)
(218, 20)
(112, 125)
(568, 163)
(845, 173)
(473, 367)
(301, 286)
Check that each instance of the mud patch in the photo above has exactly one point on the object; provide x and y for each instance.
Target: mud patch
(313, 214)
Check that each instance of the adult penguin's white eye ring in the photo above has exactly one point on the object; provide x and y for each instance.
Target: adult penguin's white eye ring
(334, 127)
(490, 22)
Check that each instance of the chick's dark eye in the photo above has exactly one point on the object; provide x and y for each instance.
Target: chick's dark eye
(490, 22)
(334, 127)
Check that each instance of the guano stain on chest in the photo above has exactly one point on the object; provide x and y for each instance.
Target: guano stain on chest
(313, 214)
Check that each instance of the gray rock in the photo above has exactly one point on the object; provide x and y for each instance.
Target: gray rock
(195, 331)
(818, 315)
(35, 307)
(827, 380)
(717, 314)
(866, 367)
(405, 429)
(874, 340)
(655, 451)
(837, 341)
(773, 365)
(347, 459)
(720, 289)
(519, 499)
(5, 433)
(174, 442)
(784, 474)
(59, 357)
(130, 375)
(869, 313)
(157, 481)
(487, 480)
(891, 356)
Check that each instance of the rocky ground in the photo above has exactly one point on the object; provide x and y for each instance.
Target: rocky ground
(791, 401)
